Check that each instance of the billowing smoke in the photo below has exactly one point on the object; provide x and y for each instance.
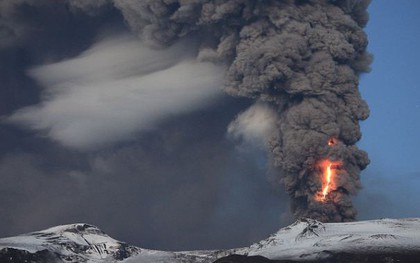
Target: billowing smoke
(301, 57)
(254, 126)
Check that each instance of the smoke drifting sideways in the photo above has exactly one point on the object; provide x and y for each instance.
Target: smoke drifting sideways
(120, 86)
(303, 58)
(180, 186)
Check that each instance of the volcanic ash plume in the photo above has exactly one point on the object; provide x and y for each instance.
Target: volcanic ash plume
(303, 59)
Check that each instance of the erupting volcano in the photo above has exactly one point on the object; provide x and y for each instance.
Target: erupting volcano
(302, 59)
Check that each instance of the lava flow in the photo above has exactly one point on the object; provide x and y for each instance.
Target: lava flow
(328, 174)
(329, 171)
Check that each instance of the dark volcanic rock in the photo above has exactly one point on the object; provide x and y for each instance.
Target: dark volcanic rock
(335, 258)
(379, 258)
(11, 255)
(248, 259)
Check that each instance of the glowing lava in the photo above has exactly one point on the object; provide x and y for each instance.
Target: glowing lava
(329, 171)
(332, 141)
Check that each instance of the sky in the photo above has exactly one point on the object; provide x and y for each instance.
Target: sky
(171, 172)
(392, 90)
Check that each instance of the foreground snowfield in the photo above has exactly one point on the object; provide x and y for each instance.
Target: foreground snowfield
(305, 240)
(312, 240)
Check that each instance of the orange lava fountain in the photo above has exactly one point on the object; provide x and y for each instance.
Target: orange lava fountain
(329, 171)
(328, 174)
(328, 181)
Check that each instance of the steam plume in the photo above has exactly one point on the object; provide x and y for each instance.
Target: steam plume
(303, 57)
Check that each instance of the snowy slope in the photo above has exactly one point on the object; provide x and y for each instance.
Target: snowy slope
(306, 240)
(311, 240)
(69, 243)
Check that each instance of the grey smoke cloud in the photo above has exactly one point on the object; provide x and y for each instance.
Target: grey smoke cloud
(117, 88)
(254, 125)
(23, 20)
(11, 29)
(302, 57)
(182, 185)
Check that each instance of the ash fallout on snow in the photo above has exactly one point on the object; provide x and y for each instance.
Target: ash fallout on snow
(302, 59)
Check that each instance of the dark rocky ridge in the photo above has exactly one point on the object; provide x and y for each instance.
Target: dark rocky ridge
(335, 258)
(11, 255)
(248, 259)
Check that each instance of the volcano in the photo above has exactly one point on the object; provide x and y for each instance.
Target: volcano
(307, 240)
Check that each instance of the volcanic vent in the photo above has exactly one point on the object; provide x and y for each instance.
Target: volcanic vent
(303, 59)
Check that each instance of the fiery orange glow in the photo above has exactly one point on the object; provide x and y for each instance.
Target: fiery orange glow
(332, 141)
(329, 169)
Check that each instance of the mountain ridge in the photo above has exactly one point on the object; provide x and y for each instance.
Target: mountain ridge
(306, 240)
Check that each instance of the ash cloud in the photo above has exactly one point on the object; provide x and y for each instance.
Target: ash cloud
(118, 86)
(182, 185)
(302, 57)
(254, 126)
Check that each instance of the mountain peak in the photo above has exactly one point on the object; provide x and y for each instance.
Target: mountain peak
(305, 240)
(81, 228)
(72, 243)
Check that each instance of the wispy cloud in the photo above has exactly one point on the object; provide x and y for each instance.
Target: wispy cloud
(255, 125)
(115, 89)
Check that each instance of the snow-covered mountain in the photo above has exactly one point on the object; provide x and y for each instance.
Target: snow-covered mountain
(66, 243)
(307, 240)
